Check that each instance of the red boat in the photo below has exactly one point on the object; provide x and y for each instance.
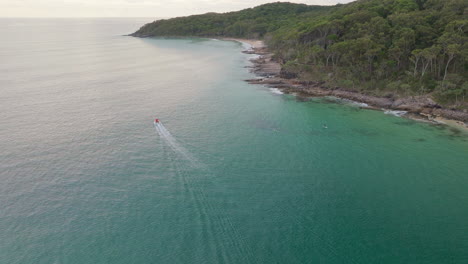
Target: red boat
(156, 120)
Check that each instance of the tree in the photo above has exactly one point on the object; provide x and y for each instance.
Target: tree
(420, 4)
(316, 51)
(451, 51)
(429, 55)
(403, 44)
(366, 41)
(416, 57)
(406, 5)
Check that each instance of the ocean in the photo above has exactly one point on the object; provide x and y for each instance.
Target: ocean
(234, 173)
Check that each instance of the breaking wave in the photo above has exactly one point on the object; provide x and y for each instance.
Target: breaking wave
(395, 113)
(276, 91)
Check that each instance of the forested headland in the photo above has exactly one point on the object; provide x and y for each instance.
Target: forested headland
(391, 48)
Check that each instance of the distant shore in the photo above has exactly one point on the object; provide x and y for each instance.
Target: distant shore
(419, 108)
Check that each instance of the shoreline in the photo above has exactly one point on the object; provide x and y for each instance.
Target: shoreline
(418, 108)
(253, 43)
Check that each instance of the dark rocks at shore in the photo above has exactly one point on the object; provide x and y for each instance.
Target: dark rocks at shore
(275, 77)
(267, 81)
(415, 104)
(265, 66)
(257, 51)
(254, 52)
(368, 99)
(451, 114)
(287, 75)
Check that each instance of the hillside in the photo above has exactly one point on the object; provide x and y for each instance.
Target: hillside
(392, 48)
(247, 23)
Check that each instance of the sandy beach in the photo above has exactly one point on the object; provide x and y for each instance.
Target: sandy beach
(255, 44)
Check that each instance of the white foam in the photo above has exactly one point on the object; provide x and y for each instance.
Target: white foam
(254, 57)
(174, 145)
(276, 91)
(246, 46)
(361, 104)
(395, 112)
(351, 102)
(348, 102)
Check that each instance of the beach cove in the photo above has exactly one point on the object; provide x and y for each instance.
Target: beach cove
(238, 173)
(416, 108)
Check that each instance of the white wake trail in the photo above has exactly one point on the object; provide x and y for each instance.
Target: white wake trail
(174, 145)
(213, 218)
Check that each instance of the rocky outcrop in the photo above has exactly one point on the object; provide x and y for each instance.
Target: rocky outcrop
(287, 74)
(274, 76)
(414, 104)
(451, 114)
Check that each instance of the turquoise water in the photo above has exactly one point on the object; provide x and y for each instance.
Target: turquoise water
(235, 173)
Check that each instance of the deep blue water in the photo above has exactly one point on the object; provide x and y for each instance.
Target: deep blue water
(235, 173)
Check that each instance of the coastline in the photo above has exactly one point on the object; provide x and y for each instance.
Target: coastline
(419, 108)
(253, 43)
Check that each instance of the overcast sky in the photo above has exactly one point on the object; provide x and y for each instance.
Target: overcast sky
(131, 8)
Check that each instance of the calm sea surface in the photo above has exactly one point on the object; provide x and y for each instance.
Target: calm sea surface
(234, 174)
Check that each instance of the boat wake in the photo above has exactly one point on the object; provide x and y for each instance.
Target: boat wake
(174, 145)
(215, 223)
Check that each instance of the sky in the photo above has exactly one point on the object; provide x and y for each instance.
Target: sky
(131, 8)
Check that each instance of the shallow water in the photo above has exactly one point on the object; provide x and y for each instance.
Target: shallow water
(240, 174)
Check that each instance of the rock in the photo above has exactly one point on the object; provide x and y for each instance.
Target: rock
(287, 74)
(426, 111)
(275, 76)
(451, 114)
(414, 104)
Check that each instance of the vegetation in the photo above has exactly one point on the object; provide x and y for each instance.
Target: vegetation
(382, 47)
(248, 23)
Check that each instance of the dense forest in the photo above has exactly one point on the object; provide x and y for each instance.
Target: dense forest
(381, 47)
